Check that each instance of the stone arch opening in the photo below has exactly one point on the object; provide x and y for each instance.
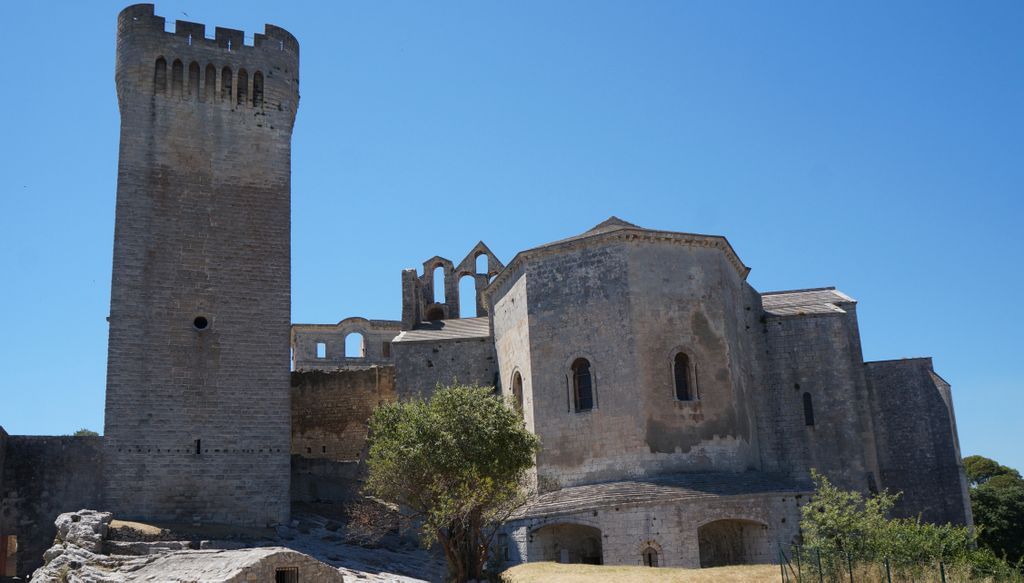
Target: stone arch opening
(467, 297)
(160, 76)
(517, 390)
(569, 543)
(733, 542)
(438, 285)
(193, 81)
(355, 345)
(435, 313)
(481, 263)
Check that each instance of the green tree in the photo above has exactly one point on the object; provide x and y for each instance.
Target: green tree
(997, 502)
(456, 464)
(83, 432)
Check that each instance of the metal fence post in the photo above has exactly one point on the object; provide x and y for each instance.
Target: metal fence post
(849, 564)
(888, 574)
(799, 570)
(821, 574)
(942, 570)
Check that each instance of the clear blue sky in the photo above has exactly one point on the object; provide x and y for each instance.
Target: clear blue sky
(878, 147)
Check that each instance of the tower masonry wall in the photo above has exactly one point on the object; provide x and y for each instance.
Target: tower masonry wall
(197, 414)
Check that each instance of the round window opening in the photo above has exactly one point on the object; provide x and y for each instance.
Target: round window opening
(201, 323)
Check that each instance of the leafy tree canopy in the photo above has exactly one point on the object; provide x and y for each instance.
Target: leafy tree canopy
(997, 502)
(83, 432)
(981, 469)
(456, 464)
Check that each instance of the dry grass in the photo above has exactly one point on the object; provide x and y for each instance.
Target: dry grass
(545, 572)
(137, 526)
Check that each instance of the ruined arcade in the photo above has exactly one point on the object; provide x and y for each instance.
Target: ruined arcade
(680, 410)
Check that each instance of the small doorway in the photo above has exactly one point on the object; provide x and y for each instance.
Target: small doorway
(8, 555)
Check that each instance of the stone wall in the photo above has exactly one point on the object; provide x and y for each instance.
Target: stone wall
(330, 410)
(918, 448)
(197, 410)
(311, 340)
(817, 355)
(42, 477)
(423, 365)
(672, 529)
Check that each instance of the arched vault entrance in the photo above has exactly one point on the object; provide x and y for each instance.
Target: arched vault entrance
(733, 542)
(568, 543)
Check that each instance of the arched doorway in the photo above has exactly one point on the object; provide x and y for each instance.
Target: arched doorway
(733, 542)
(567, 543)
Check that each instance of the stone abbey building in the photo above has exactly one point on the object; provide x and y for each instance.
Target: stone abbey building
(680, 410)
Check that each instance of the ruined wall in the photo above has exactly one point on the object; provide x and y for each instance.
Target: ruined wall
(918, 448)
(330, 410)
(42, 477)
(197, 412)
(423, 365)
(308, 339)
(421, 302)
(817, 354)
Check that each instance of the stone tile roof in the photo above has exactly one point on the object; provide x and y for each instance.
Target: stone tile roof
(802, 302)
(660, 490)
(456, 329)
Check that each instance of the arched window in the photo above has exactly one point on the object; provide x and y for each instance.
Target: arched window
(211, 83)
(467, 296)
(682, 377)
(160, 76)
(517, 390)
(355, 347)
(808, 410)
(243, 86)
(481, 263)
(582, 385)
(439, 285)
(257, 89)
(193, 81)
(650, 555)
(225, 85)
(177, 78)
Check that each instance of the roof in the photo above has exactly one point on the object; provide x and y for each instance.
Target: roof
(456, 329)
(614, 227)
(801, 302)
(662, 489)
(213, 565)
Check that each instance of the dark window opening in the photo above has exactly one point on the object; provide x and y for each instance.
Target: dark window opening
(385, 349)
(808, 410)
(177, 78)
(289, 575)
(243, 86)
(160, 76)
(517, 390)
(225, 85)
(210, 87)
(193, 81)
(323, 449)
(872, 485)
(650, 557)
(435, 313)
(681, 374)
(257, 89)
(582, 385)
(199, 444)
(200, 323)
(309, 450)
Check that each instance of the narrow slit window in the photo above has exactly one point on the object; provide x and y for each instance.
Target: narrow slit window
(243, 86)
(682, 377)
(385, 349)
(808, 410)
(177, 78)
(199, 444)
(193, 81)
(225, 85)
(210, 86)
(582, 384)
(160, 76)
(321, 350)
(257, 89)
(517, 390)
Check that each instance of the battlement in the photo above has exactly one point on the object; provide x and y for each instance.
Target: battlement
(141, 18)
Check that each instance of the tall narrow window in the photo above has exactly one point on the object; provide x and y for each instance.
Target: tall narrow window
(385, 350)
(193, 81)
(439, 285)
(355, 345)
(681, 375)
(225, 85)
(210, 87)
(160, 76)
(517, 390)
(582, 385)
(321, 350)
(808, 410)
(243, 86)
(199, 444)
(177, 78)
(257, 89)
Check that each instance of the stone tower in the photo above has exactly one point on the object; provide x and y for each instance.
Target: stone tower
(197, 409)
